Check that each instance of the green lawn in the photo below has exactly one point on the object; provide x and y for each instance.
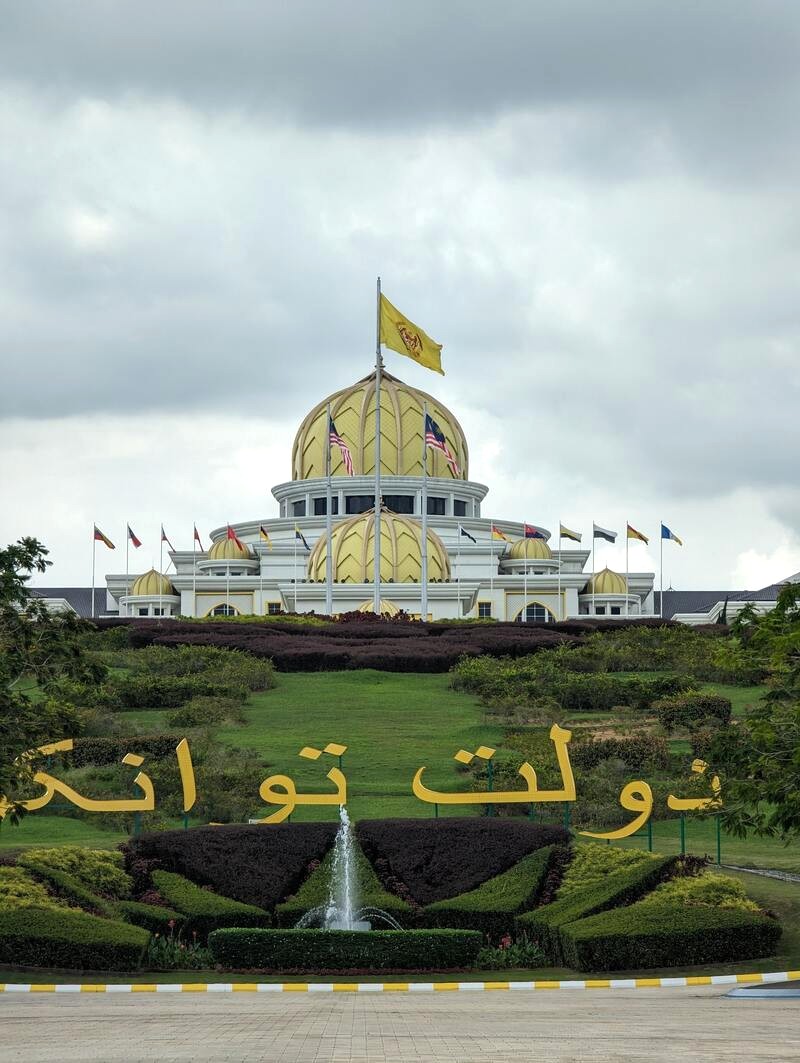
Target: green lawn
(392, 724)
(740, 698)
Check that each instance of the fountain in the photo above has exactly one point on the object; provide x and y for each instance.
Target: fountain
(341, 911)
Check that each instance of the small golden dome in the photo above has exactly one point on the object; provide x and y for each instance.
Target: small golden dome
(606, 582)
(229, 550)
(353, 551)
(533, 549)
(151, 584)
(353, 411)
(387, 608)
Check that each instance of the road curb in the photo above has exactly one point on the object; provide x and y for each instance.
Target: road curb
(399, 987)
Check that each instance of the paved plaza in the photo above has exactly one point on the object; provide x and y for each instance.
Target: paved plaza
(691, 1024)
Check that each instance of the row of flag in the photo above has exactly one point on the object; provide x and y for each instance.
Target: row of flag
(434, 437)
(134, 539)
(531, 532)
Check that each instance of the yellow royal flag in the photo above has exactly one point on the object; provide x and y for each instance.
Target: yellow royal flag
(403, 336)
(634, 534)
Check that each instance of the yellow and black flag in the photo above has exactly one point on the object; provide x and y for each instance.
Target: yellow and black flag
(634, 534)
(403, 336)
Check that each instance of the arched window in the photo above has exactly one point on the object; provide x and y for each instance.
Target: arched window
(535, 614)
(224, 610)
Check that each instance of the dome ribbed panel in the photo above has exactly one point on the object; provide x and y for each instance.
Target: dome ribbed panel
(353, 411)
(353, 551)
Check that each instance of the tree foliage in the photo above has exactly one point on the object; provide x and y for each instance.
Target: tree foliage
(36, 648)
(759, 760)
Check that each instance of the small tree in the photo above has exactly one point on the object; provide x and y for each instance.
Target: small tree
(36, 647)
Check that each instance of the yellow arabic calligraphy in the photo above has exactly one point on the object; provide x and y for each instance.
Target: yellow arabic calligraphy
(635, 797)
(683, 804)
(54, 786)
(559, 736)
(281, 790)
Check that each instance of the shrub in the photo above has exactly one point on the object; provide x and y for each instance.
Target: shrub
(315, 892)
(636, 751)
(70, 889)
(511, 954)
(19, 889)
(205, 712)
(256, 864)
(429, 860)
(690, 708)
(152, 917)
(706, 890)
(166, 952)
(543, 925)
(492, 906)
(646, 936)
(337, 950)
(100, 870)
(111, 750)
(204, 910)
(592, 863)
(69, 939)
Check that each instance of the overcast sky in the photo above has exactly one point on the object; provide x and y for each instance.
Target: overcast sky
(592, 205)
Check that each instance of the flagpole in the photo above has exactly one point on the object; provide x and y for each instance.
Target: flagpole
(127, 579)
(295, 568)
(491, 568)
(594, 537)
(194, 569)
(424, 601)
(627, 583)
(94, 553)
(458, 569)
(560, 605)
(161, 571)
(378, 369)
(661, 570)
(328, 524)
(525, 583)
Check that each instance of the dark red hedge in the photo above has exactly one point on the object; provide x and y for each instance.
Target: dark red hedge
(256, 864)
(427, 860)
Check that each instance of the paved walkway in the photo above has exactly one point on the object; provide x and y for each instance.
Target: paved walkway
(694, 1024)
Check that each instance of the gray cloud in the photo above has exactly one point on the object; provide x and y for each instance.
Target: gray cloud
(593, 206)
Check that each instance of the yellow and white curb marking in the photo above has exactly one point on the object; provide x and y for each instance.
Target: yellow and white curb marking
(398, 987)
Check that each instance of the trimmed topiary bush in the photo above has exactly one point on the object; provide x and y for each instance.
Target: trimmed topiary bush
(73, 940)
(491, 907)
(343, 950)
(646, 936)
(151, 917)
(257, 864)
(20, 889)
(429, 860)
(205, 911)
(99, 870)
(621, 888)
(592, 863)
(706, 890)
(70, 889)
(685, 710)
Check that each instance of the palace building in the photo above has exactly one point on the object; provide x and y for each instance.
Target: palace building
(472, 571)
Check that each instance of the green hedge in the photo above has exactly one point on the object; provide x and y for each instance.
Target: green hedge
(644, 936)
(343, 950)
(68, 887)
(690, 708)
(152, 917)
(315, 891)
(204, 910)
(544, 925)
(491, 907)
(34, 937)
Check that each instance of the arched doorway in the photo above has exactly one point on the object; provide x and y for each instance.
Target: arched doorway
(535, 613)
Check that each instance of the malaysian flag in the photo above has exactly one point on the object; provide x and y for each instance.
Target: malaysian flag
(434, 437)
(335, 440)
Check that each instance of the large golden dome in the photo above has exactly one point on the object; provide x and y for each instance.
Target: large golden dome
(353, 551)
(606, 582)
(533, 549)
(150, 584)
(229, 550)
(353, 411)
